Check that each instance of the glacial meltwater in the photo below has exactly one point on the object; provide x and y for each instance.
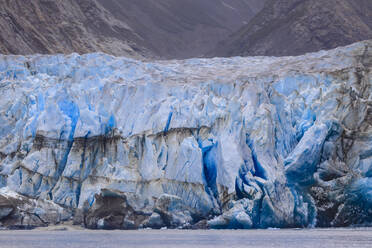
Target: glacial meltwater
(287, 238)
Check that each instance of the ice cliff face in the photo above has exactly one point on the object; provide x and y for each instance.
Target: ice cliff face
(241, 142)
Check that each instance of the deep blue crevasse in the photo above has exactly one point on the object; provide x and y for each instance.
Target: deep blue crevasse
(70, 109)
(166, 128)
(259, 170)
(209, 155)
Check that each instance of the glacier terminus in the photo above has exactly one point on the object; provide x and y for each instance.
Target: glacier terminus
(256, 142)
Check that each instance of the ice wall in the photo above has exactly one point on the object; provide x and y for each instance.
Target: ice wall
(240, 142)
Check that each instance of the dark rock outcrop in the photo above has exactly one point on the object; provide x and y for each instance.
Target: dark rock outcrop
(145, 28)
(294, 27)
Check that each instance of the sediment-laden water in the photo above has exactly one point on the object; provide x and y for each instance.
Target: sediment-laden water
(288, 238)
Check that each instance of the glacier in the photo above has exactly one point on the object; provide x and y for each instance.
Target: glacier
(257, 142)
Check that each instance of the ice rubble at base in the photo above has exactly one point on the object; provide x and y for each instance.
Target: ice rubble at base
(20, 211)
(241, 142)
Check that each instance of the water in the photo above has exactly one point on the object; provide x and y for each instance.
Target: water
(288, 238)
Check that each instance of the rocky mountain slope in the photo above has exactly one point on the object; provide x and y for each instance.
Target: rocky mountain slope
(294, 27)
(146, 28)
(223, 143)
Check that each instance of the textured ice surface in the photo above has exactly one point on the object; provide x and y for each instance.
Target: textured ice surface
(266, 141)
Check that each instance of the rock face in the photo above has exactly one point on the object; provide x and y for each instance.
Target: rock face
(145, 28)
(293, 27)
(169, 29)
(225, 143)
